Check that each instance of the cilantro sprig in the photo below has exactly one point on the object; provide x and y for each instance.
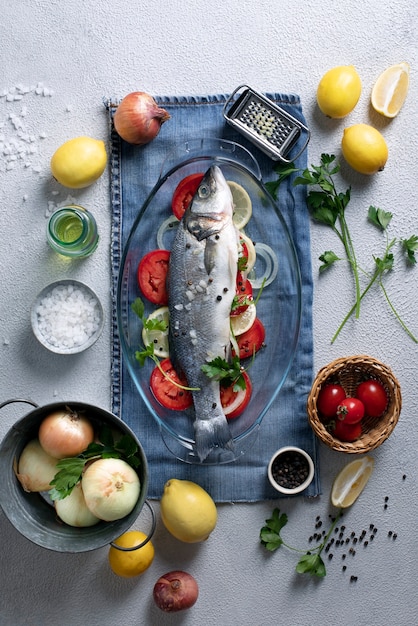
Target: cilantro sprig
(70, 470)
(310, 561)
(327, 206)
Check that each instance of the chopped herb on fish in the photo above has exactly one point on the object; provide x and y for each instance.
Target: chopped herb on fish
(227, 373)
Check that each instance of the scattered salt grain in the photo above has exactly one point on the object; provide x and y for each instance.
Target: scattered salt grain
(68, 316)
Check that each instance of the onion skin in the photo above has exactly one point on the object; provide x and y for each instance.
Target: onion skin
(65, 433)
(73, 509)
(175, 591)
(138, 118)
(111, 488)
(36, 468)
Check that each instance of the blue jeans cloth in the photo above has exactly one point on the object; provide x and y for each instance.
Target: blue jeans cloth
(134, 172)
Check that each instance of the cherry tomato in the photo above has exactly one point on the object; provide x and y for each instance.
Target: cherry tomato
(152, 276)
(347, 432)
(184, 193)
(374, 397)
(168, 394)
(252, 340)
(329, 398)
(350, 411)
(244, 295)
(235, 402)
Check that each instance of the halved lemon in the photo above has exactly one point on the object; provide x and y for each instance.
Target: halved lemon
(390, 90)
(158, 337)
(350, 482)
(242, 204)
(241, 323)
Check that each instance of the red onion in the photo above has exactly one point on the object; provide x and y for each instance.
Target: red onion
(138, 118)
(175, 591)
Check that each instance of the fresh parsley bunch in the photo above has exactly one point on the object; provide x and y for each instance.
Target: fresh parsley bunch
(327, 206)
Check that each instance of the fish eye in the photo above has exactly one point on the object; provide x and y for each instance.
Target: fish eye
(204, 191)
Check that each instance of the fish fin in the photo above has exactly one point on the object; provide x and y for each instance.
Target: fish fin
(210, 434)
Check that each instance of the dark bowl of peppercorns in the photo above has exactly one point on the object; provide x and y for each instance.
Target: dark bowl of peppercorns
(290, 470)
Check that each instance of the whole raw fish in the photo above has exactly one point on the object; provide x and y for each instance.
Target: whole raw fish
(201, 286)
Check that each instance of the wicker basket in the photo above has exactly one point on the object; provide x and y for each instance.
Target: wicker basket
(349, 372)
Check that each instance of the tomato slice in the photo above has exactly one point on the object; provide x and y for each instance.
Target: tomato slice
(168, 394)
(243, 293)
(233, 402)
(184, 193)
(152, 276)
(252, 340)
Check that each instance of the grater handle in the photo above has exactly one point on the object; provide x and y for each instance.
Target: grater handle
(231, 97)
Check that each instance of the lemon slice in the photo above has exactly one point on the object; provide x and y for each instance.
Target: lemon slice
(390, 90)
(351, 481)
(241, 323)
(158, 337)
(242, 204)
(251, 251)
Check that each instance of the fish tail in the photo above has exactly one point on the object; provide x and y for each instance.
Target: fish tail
(212, 433)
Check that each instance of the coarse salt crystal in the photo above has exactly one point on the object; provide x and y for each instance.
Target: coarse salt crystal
(68, 316)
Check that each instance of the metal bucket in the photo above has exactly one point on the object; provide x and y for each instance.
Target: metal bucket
(32, 514)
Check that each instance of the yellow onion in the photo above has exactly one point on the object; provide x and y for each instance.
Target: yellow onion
(73, 509)
(65, 433)
(36, 468)
(111, 488)
(138, 118)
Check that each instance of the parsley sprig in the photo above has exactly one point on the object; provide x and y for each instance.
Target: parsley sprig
(310, 561)
(70, 470)
(327, 206)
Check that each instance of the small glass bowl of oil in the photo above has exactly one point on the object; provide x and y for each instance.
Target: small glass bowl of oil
(72, 231)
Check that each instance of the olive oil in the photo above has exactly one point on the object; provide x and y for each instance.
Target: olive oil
(72, 231)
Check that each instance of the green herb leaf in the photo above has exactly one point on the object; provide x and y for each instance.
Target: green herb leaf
(328, 258)
(379, 217)
(270, 534)
(222, 370)
(311, 564)
(138, 308)
(410, 246)
(69, 474)
(283, 171)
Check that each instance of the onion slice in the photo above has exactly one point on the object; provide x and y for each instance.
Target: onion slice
(171, 223)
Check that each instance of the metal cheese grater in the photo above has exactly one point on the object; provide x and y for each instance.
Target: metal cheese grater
(268, 126)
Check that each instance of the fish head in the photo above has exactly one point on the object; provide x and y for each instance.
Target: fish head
(213, 197)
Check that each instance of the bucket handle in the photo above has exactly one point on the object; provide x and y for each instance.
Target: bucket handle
(12, 400)
(150, 534)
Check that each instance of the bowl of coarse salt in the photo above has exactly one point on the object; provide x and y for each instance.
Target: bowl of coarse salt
(67, 317)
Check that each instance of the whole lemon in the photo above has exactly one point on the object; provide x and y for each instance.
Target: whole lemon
(129, 563)
(79, 162)
(187, 510)
(339, 91)
(364, 148)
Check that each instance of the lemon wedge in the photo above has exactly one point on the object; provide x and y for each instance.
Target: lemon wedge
(390, 90)
(242, 205)
(158, 337)
(350, 482)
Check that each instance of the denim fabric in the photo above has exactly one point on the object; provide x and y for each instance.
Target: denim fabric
(134, 172)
